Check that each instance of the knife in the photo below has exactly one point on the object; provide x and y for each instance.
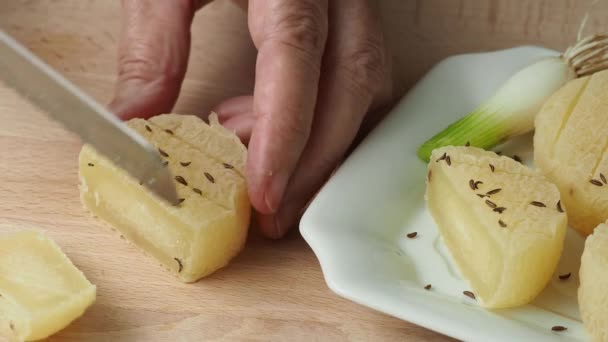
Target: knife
(64, 102)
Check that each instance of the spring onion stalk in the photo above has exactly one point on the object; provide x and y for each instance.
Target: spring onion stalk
(511, 110)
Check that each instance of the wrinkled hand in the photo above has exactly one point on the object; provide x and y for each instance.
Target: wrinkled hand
(321, 67)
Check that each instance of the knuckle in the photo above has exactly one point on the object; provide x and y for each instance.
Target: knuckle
(146, 70)
(303, 26)
(132, 68)
(365, 67)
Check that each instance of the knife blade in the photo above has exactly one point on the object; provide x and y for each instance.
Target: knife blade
(79, 113)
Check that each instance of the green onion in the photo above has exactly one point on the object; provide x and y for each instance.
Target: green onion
(511, 110)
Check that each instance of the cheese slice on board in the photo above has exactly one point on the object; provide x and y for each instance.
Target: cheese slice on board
(41, 291)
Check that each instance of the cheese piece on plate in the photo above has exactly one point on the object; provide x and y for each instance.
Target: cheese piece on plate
(41, 291)
(593, 288)
(502, 222)
(570, 144)
(209, 227)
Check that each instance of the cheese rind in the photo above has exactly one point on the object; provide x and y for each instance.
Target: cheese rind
(41, 291)
(214, 139)
(208, 228)
(506, 247)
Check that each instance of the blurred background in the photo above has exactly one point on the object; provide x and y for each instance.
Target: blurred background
(79, 38)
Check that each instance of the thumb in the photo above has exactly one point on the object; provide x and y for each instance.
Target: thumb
(152, 56)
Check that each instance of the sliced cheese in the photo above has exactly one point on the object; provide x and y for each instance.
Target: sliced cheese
(500, 221)
(41, 291)
(209, 227)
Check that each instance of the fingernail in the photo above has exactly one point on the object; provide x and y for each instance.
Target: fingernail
(269, 226)
(276, 189)
(288, 216)
(277, 227)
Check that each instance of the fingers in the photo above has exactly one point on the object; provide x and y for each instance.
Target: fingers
(290, 36)
(153, 56)
(241, 3)
(355, 73)
(236, 106)
(236, 114)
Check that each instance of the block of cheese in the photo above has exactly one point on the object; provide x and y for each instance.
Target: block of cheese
(593, 288)
(502, 222)
(570, 144)
(209, 227)
(41, 291)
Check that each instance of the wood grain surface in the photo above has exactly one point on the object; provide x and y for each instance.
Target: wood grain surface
(273, 290)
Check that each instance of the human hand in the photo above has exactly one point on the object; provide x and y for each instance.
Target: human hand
(322, 66)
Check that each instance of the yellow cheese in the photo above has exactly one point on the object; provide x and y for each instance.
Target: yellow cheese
(500, 221)
(593, 288)
(209, 227)
(570, 144)
(41, 291)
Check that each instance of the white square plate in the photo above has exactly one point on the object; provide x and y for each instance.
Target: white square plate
(357, 223)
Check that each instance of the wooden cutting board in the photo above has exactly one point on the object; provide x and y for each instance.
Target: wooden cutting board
(273, 290)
